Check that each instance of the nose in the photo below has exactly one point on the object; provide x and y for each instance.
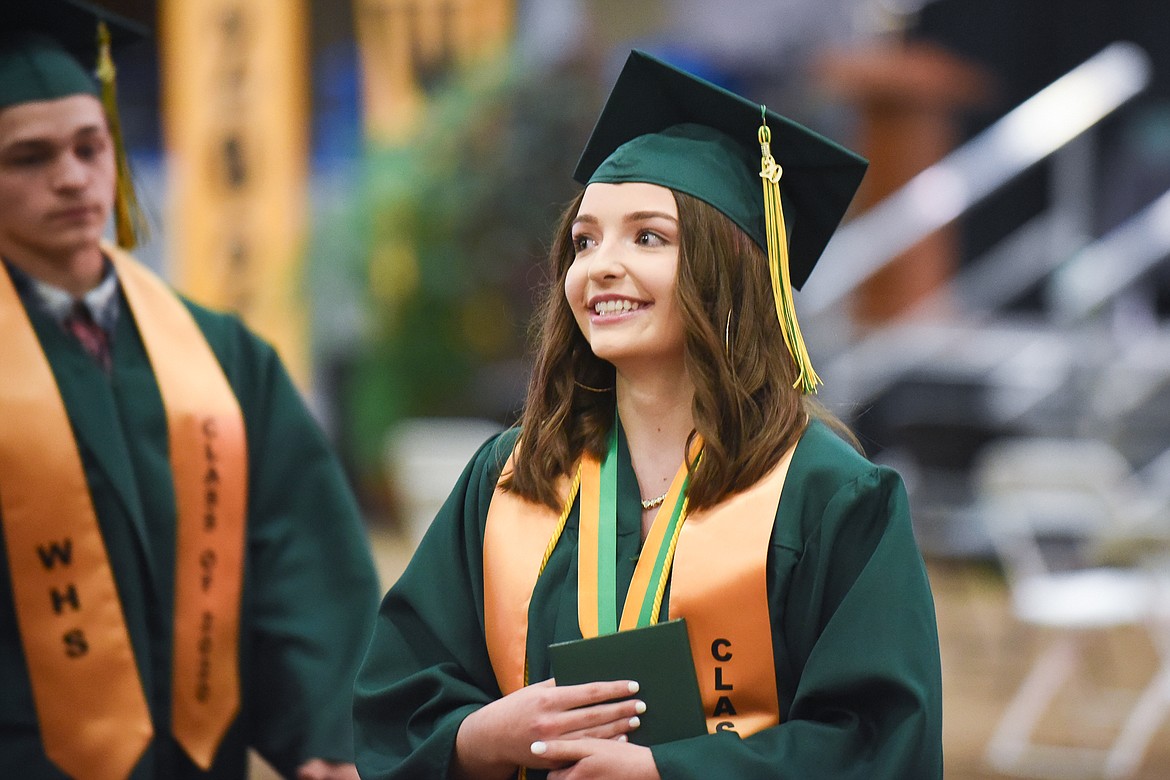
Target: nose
(605, 262)
(70, 172)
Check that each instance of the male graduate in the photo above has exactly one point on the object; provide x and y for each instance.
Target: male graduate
(183, 571)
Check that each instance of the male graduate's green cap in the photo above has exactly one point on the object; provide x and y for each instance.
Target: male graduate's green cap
(664, 126)
(49, 48)
(52, 49)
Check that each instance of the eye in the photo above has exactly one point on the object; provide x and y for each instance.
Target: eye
(582, 242)
(28, 159)
(89, 150)
(649, 238)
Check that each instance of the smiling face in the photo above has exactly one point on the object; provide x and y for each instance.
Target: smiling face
(621, 284)
(57, 178)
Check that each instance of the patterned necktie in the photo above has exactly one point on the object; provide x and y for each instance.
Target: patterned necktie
(92, 336)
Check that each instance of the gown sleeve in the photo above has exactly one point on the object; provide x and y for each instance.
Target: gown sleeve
(311, 589)
(427, 666)
(855, 641)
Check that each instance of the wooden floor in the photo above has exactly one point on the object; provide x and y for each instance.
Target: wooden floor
(985, 654)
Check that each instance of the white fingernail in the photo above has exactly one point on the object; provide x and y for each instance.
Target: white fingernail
(640, 707)
(633, 687)
(623, 738)
(635, 722)
(538, 748)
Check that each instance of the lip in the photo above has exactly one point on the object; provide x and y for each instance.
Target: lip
(75, 214)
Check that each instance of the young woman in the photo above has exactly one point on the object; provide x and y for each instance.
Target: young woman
(668, 465)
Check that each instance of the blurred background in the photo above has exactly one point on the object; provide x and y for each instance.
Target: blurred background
(372, 185)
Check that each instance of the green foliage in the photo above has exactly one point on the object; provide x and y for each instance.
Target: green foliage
(458, 223)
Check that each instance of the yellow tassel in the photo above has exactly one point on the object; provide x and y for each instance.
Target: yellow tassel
(128, 218)
(770, 173)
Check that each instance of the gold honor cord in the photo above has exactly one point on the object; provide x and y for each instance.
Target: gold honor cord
(574, 486)
(770, 173)
(92, 712)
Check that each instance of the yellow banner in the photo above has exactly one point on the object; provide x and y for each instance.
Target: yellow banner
(235, 93)
(407, 45)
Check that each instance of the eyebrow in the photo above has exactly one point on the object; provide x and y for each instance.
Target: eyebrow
(639, 216)
(634, 216)
(39, 142)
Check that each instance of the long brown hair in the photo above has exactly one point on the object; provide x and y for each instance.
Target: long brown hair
(744, 407)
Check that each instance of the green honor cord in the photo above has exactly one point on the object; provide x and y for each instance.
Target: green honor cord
(607, 541)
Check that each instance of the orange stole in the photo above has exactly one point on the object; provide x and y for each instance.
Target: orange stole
(514, 546)
(209, 464)
(724, 552)
(81, 665)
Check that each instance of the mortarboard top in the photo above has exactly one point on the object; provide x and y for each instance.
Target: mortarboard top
(49, 49)
(664, 126)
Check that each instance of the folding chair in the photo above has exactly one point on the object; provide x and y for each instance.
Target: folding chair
(1045, 502)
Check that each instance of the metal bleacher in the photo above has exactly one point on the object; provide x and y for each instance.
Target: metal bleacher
(962, 369)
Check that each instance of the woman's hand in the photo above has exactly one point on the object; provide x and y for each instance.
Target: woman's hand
(497, 739)
(598, 758)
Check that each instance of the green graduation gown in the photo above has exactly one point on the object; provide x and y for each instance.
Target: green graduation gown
(853, 625)
(310, 588)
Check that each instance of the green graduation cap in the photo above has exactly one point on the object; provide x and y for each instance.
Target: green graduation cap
(52, 49)
(49, 48)
(664, 126)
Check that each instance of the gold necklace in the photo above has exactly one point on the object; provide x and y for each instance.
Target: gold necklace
(650, 503)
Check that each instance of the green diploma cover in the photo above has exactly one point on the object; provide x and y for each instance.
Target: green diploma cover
(658, 658)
